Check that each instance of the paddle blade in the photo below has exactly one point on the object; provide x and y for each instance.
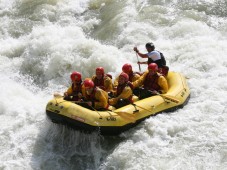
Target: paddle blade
(57, 95)
(170, 98)
(127, 116)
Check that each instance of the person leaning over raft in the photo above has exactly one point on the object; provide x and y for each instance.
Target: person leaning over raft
(94, 97)
(102, 80)
(123, 94)
(151, 83)
(74, 92)
(133, 76)
(153, 57)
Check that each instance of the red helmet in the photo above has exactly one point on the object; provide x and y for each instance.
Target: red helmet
(88, 83)
(100, 70)
(153, 67)
(124, 75)
(127, 68)
(75, 76)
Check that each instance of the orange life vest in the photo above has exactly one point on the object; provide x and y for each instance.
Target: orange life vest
(91, 97)
(151, 82)
(100, 82)
(76, 88)
(120, 89)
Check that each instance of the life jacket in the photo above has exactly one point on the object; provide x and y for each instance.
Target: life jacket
(91, 97)
(158, 62)
(99, 82)
(161, 62)
(120, 89)
(163, 59)
(76, 89)
(131, 75)
(151, 82)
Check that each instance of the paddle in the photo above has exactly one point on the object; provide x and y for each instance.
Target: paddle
(138, 61)
(170, 98)
(141, 107)
(165, 96)
(100, 117)
(127, 116)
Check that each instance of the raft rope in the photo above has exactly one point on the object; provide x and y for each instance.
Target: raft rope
(136, 110)
(141, 107)
(100, 117)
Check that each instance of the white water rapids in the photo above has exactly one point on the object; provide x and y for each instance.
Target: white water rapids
(43, 41)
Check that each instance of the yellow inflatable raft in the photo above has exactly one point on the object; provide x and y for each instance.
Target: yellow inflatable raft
(116, 121)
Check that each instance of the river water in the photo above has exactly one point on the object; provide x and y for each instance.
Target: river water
(43, 41)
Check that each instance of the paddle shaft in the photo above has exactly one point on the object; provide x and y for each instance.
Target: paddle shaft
(170, 98)
(100, 117)
(138, 61)
(127, 116)
(142, 107)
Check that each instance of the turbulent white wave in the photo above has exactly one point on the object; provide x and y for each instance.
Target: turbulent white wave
(42, 42)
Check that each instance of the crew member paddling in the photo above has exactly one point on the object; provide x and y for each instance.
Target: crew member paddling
(74, 92)
(154, 57)
(132, 76)
(123, 94)
(95, 98)
(102, 80)
(151, 83)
